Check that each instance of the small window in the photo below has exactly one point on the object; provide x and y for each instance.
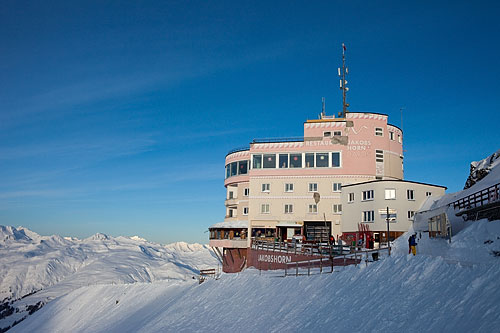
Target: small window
(266, 187)
(234, 168)
(228, 170)
(428, 194)
(246, 192)
(283, 161)
(351, 197)
(336, 159)
(379, 131)
(410, 194)
(322, 160)
(264, 208)
(390, 194)
(230, 213)
(309, 160)
(313, 187)
(288, 209)
(399, 138)
(257, 162)
(368, 216)
(289, 187)
(269, 161)
(327, 134)
(337, 133)
(368, 195)
(337, 187)
(379, 155)
(391, 136)
(411, 213)
(313, 209)
(337, 209)
(231, 195)
(295, 160)
(245, 210)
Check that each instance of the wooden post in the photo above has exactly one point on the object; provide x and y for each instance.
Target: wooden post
(296, 268)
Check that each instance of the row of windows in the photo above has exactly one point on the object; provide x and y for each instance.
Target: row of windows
(296, 160)
(380, 132)
(390, 194)
(311, 187)
(369, 215)
(237, 168)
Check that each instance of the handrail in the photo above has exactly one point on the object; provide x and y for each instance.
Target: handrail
(271, 140)
(235, 150)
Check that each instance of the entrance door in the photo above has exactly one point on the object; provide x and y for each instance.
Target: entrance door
(376, 237)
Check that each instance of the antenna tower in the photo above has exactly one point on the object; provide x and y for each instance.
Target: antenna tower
(343, 82)
(322, 107)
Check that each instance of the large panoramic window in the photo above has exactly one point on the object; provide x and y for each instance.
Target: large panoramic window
(234, 168)
(283, 161)
(257, 162)
(269, 161)
(336, 159)
(243, 167)
(295, 160)
(322, 160)
(309, 160)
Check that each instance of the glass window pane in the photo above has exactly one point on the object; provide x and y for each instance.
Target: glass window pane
(269, 161)
(228, 171)
(322, 160)
(309, 160)
(257, 161)
(234, 168)
(295, 160)
(283, 161)
(243, 167)
(336, 159)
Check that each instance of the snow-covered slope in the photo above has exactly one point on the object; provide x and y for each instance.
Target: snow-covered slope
(46, 267)
(430, 292)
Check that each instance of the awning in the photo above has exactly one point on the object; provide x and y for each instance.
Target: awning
(230, 225)
(289, 224)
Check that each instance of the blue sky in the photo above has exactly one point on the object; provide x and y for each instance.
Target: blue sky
(116, 117)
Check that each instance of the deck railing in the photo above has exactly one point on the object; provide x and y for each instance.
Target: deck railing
(315, 249)
(480, 198)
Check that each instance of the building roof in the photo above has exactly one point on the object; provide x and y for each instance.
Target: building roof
(394, 180)
(229, 225)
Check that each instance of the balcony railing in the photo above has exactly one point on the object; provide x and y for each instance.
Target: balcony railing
(236, 150)
(272, 140)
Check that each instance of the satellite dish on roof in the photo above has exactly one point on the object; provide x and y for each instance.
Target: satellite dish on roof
(316, 197)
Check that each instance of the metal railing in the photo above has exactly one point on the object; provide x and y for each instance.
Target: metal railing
(272, 140)
(235, 150)
(315, 249)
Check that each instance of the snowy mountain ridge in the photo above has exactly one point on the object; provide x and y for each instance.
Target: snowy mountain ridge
(47, 267)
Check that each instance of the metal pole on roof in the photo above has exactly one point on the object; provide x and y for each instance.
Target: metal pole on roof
(388, 241)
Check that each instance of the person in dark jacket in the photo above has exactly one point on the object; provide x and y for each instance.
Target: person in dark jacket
(412, 243)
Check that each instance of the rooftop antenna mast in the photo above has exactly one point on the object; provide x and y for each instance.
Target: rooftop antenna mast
(343, 83)
(322, 107)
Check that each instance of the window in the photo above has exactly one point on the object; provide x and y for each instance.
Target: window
(243, 167)
(351, 197)
(327, 134)
(266, 187)
(337, 209)
(230, 213)
(379, 131)
(336, 159)
(313, 209)
(379, 155)
(288, 209)
(228, 170)
(428, 194)
(257, 162)
(322, 160)
(337, 133)
(368, 216)
(283, 161)
(269, 161)
(390, 194)
(411, 213)
(399, 138)
(245, 210)
(234, 168)
(313, 187)
(410, 195)
(336, 187)
(264, 209)
(391, 136)
(295, 160)
(289, 187)
(309, 160)
(231, 195)
(246, 192)
(368, 195)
